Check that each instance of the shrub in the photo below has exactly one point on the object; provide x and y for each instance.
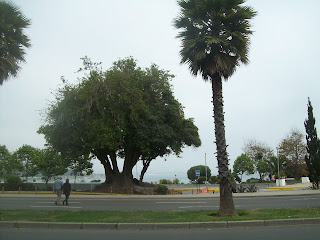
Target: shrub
(94, 181)
(12, 183)
(162, 189)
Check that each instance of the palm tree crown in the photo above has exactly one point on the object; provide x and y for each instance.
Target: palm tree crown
(214, 35)
(12, 39)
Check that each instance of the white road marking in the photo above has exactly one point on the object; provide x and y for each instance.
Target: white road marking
(179, 202)
(53, 202)
(303, 199)
(54, 207)
(199, 207)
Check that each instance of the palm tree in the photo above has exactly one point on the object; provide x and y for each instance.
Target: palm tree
(215, 40)
(12, 40)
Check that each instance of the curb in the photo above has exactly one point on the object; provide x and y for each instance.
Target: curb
(159, 226)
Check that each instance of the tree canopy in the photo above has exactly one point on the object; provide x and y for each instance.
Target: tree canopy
(243, 164)
(125, 112)
(192, 174)
(13, 40)
(312, 157)
(293, 148)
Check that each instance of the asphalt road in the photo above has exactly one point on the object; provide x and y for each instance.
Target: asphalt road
(160, 204)
(304, 232)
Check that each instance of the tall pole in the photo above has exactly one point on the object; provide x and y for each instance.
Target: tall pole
(278, 167)
(205, 161)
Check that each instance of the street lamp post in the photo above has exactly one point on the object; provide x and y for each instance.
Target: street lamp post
(278, 167)
(205, 161)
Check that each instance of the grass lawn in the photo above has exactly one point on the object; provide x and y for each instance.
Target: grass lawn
(154, 216)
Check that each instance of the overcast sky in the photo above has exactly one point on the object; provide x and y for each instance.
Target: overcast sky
(263, 100)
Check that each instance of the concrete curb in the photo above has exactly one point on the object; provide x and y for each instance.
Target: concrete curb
(160, 226)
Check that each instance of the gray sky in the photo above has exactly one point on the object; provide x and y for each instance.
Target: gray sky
(263, 100)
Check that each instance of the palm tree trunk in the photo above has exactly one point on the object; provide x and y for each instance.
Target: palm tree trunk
(226, 200)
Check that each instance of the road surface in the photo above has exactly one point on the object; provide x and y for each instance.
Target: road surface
(159, 204)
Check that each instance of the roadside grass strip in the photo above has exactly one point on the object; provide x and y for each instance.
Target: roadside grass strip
(80, 216)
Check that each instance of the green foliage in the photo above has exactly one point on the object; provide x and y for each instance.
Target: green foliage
(215, 36)
(13, 183)
(26, 156)
(312, 157)
(13, 40)
(201, 180)
(192, 174)
(80, 165)
(50, 163)
(243, 164)
(263, 158)
(176, 181)
(96, 181)
(125, 112)
(162, 189)
(214, 179)
(165, 181)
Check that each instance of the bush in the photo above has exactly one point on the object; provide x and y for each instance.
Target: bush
(96, 181)
(12, 183)
(162, 189)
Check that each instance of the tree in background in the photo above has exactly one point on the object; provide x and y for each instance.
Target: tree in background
(293, 148)
(261, 154)
(215, 40)
(80, 166)
(192, 172)
(124, 113)
(243, 165)
(13, 40)
(49, 164)
(26, 156)
(312, 157)
(9, 164)
(4, 161)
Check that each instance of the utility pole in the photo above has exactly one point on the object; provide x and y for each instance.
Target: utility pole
(205, 162)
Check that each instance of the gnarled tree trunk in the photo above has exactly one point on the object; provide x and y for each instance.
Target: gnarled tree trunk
(226, 200)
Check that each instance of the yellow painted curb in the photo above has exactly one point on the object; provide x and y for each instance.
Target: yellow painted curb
(195, 189)
(283, 188)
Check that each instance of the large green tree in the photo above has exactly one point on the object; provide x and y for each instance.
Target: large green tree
(49, 163)
(243, 164)
(26, 156)
(215, 40)
(6, 163)
(125, 113)
(9, 164)
(13, 40)
(262, 155)
(312, 157)
(204, 171)
(293, 148)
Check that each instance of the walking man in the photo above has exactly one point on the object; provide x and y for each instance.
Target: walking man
(58, 190)
(66, 190)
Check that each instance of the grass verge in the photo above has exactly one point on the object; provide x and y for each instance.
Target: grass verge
(154, 216)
